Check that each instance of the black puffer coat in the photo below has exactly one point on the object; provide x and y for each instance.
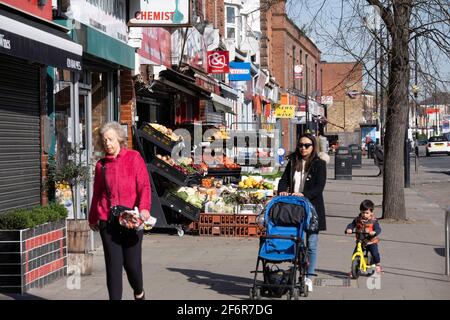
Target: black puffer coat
(316, 178)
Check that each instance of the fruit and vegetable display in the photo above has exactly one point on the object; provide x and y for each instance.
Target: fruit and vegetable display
(184, 165)
(220, 161)
(192, 196)
(253, 183)
(166, 131)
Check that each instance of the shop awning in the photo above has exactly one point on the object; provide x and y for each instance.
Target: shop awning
(183, 83)
(222, 104)
(41, 42)
(228, 92)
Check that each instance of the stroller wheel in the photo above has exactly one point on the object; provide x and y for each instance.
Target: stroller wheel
(255, 294)
(296, 294)
(288, 295)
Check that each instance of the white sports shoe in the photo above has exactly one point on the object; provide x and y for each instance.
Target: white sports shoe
(309, 284)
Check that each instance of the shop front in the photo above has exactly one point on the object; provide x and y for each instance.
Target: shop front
(101, 92)
(28, 45)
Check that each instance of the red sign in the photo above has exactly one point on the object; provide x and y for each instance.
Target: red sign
(298, 71)
(432, 110)
(33, 7)
(218, 62)
(156, 46)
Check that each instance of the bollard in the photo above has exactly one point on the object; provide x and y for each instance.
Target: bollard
(447, 240)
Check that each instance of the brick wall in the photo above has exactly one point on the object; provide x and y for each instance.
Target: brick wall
(283, 45)
(339, 78)
(215, 14)
(127, 102)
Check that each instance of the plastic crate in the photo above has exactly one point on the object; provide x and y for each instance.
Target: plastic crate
(156, 137)
(177, 204)
(173, 174)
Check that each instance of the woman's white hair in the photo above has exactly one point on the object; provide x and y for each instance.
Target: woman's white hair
(113, 125)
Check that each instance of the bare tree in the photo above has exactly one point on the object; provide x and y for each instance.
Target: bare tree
(342, 31)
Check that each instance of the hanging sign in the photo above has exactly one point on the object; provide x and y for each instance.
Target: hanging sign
(285, 111)
(218, 62)
(240, 71)
(157, 13)
(298, 71)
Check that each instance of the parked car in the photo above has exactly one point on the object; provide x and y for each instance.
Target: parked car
(438, 144)
(420, 147)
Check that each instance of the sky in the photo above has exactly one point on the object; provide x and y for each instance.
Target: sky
(322, 18)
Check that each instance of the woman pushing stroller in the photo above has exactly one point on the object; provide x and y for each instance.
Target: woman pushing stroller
(305, 175)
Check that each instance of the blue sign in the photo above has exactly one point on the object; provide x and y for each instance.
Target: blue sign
(239, 71)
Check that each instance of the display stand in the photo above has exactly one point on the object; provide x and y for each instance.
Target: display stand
(170, 211)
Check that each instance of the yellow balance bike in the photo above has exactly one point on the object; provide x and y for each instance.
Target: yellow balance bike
(361, 259)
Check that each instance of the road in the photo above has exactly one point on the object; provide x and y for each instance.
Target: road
(441, 162)
(437, 192)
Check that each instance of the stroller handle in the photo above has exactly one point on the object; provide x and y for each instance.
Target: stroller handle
(280, 237)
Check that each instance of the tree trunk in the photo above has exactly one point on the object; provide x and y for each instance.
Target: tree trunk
(393, 177)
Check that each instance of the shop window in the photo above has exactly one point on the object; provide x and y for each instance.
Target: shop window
(99, 93)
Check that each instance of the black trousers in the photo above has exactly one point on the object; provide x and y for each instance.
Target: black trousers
(373, 249)
(122, 247)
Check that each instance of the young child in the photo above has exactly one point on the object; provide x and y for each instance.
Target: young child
(366, 222)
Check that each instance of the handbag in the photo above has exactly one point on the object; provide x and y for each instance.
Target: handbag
(120, 215)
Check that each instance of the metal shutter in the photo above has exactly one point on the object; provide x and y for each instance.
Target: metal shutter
(20, 163)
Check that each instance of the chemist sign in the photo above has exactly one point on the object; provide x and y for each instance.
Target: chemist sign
(158, 13)
(285, 111)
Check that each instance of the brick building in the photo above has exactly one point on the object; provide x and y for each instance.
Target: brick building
(283, 46)
(343, 81)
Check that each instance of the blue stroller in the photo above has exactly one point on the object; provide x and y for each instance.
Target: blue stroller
(286, 218)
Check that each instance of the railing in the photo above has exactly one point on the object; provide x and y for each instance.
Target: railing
(447, 242)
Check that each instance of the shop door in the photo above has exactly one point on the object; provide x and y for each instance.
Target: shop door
(20, 143)
(85, 143)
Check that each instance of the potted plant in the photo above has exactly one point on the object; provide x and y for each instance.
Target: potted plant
(68, 175)
(33, 247)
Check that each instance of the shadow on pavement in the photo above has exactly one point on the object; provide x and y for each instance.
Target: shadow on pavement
(418, 271)
(440, 251)
(221, 283)
(25, 296)
(412, 276)
(444, 172)
(333, 273)
(388, 240)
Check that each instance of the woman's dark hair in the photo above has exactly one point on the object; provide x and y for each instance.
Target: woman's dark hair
(296, 156)
(366, 205)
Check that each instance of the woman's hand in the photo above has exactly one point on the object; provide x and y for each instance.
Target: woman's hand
(94, 226)
(145, 215)
(298, 194)
(348, 231)
(283, 193)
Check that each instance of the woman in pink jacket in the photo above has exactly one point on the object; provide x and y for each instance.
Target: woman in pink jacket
(121, 178)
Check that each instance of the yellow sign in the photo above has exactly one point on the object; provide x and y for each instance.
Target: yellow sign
(285, 111)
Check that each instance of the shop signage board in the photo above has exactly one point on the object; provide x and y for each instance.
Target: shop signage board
(218, 62)
(298, 71)
(158, 13)
(156, 47)
(285, 111)
(195, 51)
(106, 16)
(240, 71)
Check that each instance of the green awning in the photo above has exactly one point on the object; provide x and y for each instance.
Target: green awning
(101, 45)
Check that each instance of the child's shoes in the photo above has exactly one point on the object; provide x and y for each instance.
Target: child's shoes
(378, 269)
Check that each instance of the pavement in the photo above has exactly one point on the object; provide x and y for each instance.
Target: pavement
(211, 268)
